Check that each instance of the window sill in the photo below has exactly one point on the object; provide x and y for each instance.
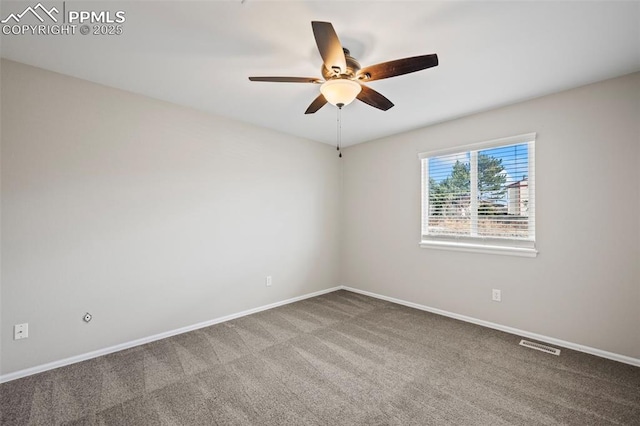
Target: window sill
(480, 248)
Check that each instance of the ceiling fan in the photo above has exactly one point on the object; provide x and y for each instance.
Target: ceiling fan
(343, 76)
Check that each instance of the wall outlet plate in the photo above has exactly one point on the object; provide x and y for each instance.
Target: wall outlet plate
(268, 281)
(21, 331)
(496, 295)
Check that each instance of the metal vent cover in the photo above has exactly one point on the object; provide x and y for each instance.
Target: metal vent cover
(539, 347)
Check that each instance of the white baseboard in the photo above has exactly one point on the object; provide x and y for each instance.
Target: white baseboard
(576, 347)
(100, 352)
(89, 355)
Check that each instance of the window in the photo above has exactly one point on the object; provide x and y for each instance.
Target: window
(481, 197)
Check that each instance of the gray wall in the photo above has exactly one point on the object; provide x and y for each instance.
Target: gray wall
(148, 215)
(584, 286)
(154, 217)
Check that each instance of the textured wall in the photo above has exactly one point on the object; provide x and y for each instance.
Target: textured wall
(148, 215)
(584, 286)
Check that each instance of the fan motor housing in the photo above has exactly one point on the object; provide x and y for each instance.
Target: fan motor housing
(353, 67)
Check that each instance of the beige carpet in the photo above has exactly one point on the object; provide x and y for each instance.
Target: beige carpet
(337, 359)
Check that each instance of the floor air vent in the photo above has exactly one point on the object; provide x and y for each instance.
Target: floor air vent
(540, 347)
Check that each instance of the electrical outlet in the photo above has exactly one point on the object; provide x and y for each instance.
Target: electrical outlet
(268, 281)
(20, 331)
(496, 295)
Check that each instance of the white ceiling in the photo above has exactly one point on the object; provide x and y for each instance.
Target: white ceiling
(200, 54)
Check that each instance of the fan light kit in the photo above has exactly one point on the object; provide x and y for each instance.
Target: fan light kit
(340, 91)
(343, 76)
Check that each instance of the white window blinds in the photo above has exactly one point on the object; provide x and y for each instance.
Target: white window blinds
(483, 193)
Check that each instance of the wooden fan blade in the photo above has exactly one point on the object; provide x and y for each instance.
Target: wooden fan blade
(329, 46)
(373, 98)
(397, 67)
(317, 103)
(287, 79)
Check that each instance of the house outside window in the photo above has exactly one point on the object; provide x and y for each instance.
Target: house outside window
(481, 197)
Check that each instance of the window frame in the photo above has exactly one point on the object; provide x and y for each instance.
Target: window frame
(479, 244)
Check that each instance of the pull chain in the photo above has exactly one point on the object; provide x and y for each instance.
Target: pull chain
(339, 144)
